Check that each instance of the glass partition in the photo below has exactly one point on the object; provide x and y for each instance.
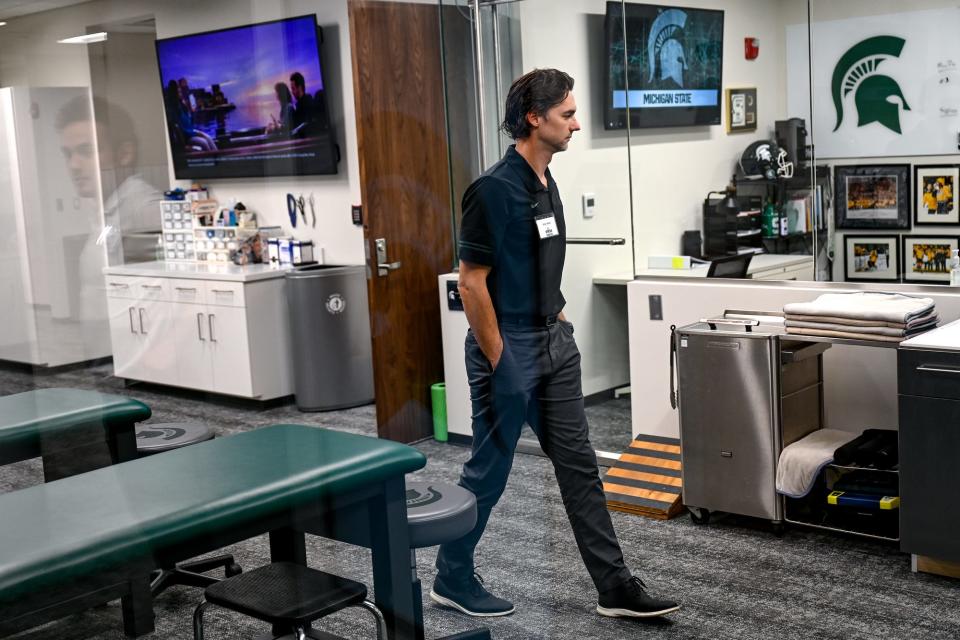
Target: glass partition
(884, 94)
(593, 174)
(721, 159)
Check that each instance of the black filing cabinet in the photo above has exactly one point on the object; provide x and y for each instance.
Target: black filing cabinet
(929, 399)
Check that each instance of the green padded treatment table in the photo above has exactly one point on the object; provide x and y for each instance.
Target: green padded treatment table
(76, 542)
(73, 429)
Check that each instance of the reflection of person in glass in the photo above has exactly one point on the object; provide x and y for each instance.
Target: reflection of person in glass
(303, 113)
(285, 122)
(101, 148)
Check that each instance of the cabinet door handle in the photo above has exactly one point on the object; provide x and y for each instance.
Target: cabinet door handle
(142, 330)
(941, 369)
(194, 289)
(210, 325)
(152, 286)
(119, 285)
(200, 327)
(133, 329)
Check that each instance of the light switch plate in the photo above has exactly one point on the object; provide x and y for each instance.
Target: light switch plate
(589, 204)
(656, 307)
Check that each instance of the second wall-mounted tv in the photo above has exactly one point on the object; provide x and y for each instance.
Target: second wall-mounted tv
(248, 101)
(668, 69)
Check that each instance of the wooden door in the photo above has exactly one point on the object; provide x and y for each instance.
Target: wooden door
(405, 188)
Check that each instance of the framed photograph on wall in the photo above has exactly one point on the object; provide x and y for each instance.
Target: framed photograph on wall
(871, 258)
(741, 109)
(926, 259)
(872, 197)
(935, 194)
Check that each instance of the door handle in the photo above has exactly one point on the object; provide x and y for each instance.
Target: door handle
(133, 329)
(200, 327)
(210, 326)
(928, 369)
(140, 313)
(383, 267)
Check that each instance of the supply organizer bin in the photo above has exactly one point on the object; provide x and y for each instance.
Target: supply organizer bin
(330, 335)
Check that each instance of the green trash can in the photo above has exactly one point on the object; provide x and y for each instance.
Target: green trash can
(438, 397)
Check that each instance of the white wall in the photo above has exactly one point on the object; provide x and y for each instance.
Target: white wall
(827, 10)
(30, 55)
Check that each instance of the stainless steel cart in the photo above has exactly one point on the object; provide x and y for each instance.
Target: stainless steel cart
(746, 390)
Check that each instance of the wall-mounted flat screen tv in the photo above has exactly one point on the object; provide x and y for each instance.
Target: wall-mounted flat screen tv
(248, 101)
(668, 69)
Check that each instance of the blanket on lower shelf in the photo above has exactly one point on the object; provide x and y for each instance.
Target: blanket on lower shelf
(802, 461)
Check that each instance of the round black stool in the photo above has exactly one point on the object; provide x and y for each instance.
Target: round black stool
(158, 437)
(438, 512)
(153, 438)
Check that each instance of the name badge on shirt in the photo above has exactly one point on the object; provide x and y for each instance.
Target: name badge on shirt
(546, 225)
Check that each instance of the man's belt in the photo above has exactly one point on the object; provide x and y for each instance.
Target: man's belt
(528, 321)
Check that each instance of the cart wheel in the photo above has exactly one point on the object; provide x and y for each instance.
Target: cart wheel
(232, 570)
(778, 528)
(699, 516)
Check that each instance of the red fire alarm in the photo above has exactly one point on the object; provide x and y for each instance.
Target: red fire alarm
(751, 48)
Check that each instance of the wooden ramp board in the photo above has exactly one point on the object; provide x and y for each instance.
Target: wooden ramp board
(646, 480)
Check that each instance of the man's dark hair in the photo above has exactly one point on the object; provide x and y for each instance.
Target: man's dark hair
(297, 79)
(113, 122)
(536, 91)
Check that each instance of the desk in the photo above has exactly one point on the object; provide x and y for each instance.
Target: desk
(92, 538)
(765, 266)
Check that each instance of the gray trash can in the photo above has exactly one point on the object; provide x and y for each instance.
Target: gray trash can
(330, 336)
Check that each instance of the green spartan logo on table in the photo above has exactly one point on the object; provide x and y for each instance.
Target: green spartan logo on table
(856, 73)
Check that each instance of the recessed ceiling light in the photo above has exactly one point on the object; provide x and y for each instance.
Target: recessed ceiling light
(3, 24)
(100, 36)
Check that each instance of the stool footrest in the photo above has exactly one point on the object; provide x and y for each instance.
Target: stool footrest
(286, 593)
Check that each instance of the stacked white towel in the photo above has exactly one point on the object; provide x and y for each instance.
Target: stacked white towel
(863, 315)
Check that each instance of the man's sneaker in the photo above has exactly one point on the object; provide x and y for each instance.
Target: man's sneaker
(470, 597)
(630, 599)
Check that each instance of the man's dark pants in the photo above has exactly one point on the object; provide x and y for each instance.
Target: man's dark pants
(537, 381)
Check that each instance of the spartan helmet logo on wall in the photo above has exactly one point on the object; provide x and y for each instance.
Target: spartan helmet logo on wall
(856, 72)
(664, 49)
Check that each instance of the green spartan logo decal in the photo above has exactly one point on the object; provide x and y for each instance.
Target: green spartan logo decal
(856, 73)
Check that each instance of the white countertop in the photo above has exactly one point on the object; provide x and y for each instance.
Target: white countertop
(759, 263)
(945, 338)
(199, 271)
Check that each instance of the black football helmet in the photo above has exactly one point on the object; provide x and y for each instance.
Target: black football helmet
(765, 158)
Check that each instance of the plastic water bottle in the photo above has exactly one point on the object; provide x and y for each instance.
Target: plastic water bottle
(769, 222)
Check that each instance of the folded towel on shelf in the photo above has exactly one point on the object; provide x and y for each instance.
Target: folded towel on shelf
(918, 320)
(802, 461)
(850, 335)
(864, 305)
(901, 331)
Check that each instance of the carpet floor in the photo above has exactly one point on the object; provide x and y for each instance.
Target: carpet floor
(733, 577)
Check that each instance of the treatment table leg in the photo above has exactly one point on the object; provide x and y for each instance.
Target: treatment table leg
(137, 608)
(390, 545)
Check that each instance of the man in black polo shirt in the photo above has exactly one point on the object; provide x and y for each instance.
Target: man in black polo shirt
(522, 361)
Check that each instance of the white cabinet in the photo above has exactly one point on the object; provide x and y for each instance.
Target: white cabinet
(124, 336)
(229, 350)
(139, 323)
(200, 334)
(190, 335)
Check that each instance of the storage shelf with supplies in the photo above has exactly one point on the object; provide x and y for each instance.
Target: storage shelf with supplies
(816, 510)
(178, 237)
